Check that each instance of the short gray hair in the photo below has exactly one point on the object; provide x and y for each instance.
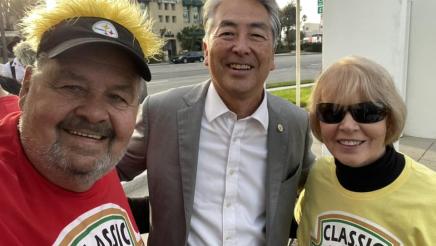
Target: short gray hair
(271, 6)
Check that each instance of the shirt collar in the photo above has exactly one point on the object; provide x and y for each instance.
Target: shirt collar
(261, 113)
(215, 107)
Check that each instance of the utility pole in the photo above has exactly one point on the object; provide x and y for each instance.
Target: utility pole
(2, 31)
(297, 54)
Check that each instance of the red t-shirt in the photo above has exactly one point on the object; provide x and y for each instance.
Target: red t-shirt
(34, 211)
(8, 104)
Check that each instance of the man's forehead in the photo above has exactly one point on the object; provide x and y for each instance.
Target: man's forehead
(251, 24)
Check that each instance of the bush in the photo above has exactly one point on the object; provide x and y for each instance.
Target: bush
(313, 47)
(282, 49)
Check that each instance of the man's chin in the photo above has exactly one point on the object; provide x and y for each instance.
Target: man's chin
(89, 163)
(83, 163)
(79, 165)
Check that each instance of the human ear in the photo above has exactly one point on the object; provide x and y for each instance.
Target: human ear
(25, 85)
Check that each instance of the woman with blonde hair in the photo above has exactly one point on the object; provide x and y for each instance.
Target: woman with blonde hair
(367, 193)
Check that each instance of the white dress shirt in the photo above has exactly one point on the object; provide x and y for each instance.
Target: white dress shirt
(229, 201)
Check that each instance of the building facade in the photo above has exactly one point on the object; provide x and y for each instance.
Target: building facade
(170, 17)
(310, 29)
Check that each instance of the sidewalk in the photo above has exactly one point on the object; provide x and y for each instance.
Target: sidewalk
(422, 150)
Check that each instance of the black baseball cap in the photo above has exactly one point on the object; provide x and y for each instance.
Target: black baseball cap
(73, 32)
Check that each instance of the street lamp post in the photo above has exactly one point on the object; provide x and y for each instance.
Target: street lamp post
(297, 54)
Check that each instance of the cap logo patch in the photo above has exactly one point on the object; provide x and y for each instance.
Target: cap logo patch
(105, 28)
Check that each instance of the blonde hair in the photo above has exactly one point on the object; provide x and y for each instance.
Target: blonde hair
(355, 77)
(124, 12)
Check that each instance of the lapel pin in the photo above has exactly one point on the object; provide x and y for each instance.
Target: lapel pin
(280, 127)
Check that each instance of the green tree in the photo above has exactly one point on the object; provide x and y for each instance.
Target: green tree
(191, 37)
(14, 10)
(287, 18)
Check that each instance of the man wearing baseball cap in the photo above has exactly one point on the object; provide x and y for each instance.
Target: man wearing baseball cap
(79, 105)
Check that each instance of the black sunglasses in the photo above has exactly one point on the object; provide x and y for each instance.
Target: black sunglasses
(365, 112)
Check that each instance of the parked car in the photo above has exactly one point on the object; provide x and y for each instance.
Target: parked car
(190, 56)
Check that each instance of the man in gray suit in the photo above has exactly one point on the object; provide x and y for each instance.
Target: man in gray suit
(224, 158)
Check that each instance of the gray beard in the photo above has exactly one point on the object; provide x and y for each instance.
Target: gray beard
(57, 160)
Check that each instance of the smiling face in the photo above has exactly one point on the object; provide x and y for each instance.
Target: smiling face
(354, 144)
(79, 112)
(239, 50)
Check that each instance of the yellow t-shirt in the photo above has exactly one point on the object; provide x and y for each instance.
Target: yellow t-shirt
(403, 213)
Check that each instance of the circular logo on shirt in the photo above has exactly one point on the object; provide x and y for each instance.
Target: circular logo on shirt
(108, 224)
(337, 228)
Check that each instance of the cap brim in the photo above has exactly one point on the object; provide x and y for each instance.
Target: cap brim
(144, 71)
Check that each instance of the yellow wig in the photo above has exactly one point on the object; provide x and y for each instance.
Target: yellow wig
(124, 12)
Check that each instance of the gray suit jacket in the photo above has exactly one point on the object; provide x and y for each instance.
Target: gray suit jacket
(165, 142)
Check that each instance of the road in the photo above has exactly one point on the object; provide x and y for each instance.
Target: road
(166, 76)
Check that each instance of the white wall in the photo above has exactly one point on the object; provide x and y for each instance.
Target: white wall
(421, 80)
(398, 34)
(376, 29)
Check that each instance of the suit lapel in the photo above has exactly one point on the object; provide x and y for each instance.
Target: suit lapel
(188, 127)
(277, 143)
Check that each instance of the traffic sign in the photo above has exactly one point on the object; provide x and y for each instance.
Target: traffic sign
(320, 9)
(320, 3)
